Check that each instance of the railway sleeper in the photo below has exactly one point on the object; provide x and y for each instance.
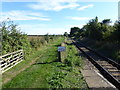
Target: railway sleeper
(102, 62)
(106, 65)
(117, 77)
(110, 67)
(113, 70)
(115, 74)
(85, 50)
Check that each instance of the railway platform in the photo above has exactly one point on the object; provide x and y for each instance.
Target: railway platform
(94, 79)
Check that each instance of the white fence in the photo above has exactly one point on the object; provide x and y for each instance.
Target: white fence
(9, 60)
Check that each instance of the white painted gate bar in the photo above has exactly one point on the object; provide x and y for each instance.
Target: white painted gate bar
(7, 61)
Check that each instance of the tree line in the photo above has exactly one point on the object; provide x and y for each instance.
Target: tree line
(101, 36)
(98, 30)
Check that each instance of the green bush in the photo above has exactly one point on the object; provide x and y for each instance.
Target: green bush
(13, 39)
(56, 80)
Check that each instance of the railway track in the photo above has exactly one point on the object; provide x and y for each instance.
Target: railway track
(107, 67)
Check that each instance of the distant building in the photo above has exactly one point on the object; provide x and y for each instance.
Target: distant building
(119, 10)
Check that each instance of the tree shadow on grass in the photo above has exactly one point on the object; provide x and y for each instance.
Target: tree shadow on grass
(68, 43)
(57, 45)
(46, 62)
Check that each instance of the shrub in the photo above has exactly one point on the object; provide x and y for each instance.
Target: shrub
(13, 39)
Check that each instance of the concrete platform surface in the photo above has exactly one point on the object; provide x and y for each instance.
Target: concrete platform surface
(94, 79)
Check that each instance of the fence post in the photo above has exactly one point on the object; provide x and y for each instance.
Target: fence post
(59, 56)
(61, 50)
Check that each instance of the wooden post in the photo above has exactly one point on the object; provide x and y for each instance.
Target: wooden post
(59, 56)
(61, 49)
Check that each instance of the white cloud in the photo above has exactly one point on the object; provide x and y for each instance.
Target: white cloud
(84, 7)
(55, 5)
(23, 15)
(80, 18)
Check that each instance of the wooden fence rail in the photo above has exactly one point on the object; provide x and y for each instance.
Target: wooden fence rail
(9, 60)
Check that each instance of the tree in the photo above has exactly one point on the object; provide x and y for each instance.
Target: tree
(66, 34)
(106, 21)
(93, 30)
(74, 30)
(13, 39)
(116, 33)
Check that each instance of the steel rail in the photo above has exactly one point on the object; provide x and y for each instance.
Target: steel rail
(102, 56)
(103, 71)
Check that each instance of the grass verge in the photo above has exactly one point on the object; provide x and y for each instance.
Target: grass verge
(47, 72)
(8, 75)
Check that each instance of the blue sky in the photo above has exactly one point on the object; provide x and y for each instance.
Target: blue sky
(56, 16)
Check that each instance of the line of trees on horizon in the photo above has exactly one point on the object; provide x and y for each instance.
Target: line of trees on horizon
(98, 30)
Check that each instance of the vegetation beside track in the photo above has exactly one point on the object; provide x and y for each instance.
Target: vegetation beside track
(108, 49)
(47, 72)
(101, 36)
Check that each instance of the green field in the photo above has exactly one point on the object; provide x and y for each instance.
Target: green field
(45, 71)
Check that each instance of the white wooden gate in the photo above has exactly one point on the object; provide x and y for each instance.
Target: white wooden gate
(9, 60)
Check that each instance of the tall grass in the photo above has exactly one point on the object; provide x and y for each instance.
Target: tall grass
(109, 49)
(71, 55)
(69, 75)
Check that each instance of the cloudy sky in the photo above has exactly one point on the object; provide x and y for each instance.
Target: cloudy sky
(56, 16)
